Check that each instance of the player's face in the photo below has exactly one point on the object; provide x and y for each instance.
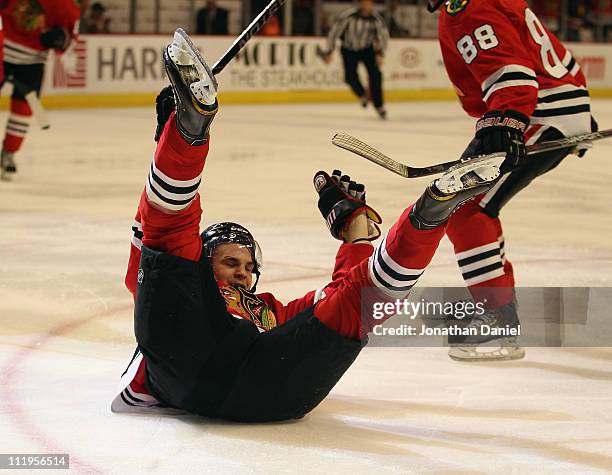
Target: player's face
(232, 263)
(366, 7)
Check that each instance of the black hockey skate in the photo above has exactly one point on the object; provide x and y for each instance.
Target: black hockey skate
(499, 326)
(458, 185)
(7, 166)
(195, 88)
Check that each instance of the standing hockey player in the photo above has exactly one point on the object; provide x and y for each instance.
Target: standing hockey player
(31, 29)
(206, 342)
(524, 86)
(364, 38)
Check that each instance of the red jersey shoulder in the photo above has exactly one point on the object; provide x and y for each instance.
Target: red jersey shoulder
(459, 12)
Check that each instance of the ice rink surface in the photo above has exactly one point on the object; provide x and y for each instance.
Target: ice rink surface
(66, 318)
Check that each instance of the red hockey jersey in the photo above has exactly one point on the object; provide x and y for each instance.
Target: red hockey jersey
(498, 55)
(25, 20)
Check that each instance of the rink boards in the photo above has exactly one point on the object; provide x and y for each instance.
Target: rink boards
(124, 70)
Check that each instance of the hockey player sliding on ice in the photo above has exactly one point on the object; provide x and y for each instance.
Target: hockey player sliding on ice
(207, 343)
(524, 86)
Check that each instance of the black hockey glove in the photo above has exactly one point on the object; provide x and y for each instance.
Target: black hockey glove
(340, 199)
(57, 38)
(583, 148)
(498, 131)
(165, 105)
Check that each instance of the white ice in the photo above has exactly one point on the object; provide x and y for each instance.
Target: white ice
(66, 318)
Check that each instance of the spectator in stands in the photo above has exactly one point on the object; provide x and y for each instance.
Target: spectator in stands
(395, 29)
(96, 21)
(303, 18)
(212, 20)
(599, 16)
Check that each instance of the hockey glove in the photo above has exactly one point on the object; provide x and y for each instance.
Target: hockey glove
(165, 105)
(498, 131)
(341, 199)
(57, 38)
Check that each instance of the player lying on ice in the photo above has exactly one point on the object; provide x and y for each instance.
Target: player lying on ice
(206, 342)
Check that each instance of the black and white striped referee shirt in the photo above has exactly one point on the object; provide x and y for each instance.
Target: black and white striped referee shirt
(358, 32)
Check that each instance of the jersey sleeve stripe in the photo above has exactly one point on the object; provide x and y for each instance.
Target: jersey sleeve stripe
(497, 76)
(558, 111)
(505, 84)
(558, 96)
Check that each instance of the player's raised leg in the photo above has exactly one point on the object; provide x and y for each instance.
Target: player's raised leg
(170, 202)
(402, 256)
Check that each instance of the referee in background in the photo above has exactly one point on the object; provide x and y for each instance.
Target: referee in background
(364, 38)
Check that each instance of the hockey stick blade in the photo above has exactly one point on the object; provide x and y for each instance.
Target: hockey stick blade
(364, 150)
(258, 22)
(352, 144)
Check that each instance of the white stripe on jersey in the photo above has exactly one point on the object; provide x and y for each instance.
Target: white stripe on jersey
(512, 83)
(510, 68)
(172, 181)
(476, 250)
(485, 277)
(15, 53)
(169, 193)
(136, 232)
(569, 122)
(388, 275)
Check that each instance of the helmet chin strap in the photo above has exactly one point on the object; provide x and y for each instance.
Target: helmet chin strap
(433, 6)
(254, 287)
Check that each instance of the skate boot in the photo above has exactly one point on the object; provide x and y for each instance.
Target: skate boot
(195, 88)
(7, 166)
(382, 112)
(458, 185)
(493, 326)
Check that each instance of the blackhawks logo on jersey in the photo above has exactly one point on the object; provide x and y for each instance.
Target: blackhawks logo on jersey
(455, 6)
(29, 15)
(247, 305)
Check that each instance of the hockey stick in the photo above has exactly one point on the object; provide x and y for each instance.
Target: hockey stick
(33, 101)
(362, 149)
(256, 25)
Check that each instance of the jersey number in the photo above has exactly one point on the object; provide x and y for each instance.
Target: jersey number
(485, 36)
(486, 39)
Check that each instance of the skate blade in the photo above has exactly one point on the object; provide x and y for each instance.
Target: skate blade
(471, 173)
(472, 353)
(186, 54)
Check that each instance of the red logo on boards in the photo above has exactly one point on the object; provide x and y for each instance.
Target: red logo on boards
(70, 68)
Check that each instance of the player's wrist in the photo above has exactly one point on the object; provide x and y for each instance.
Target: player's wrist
(355, 227)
